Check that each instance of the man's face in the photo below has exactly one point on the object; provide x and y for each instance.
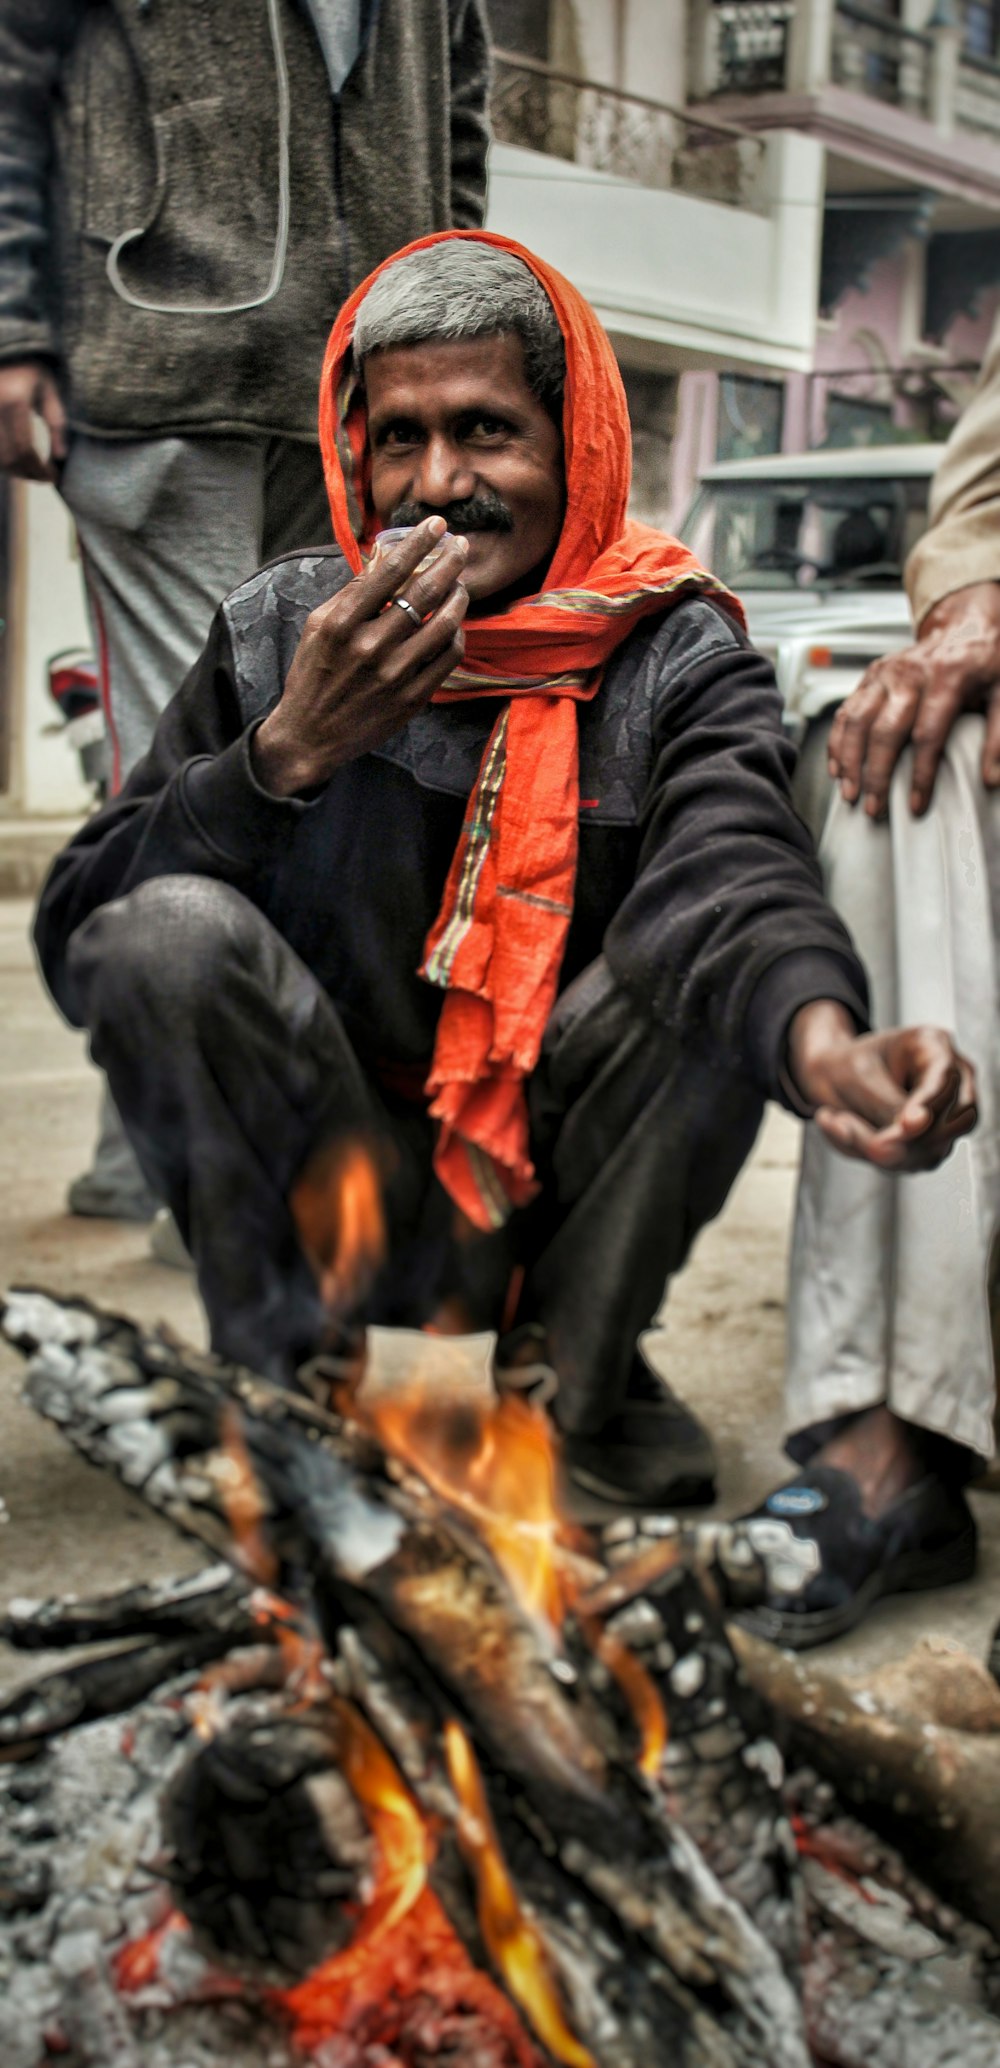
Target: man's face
(455, 431)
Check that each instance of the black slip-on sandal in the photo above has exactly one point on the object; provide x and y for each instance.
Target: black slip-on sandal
(828, 1562)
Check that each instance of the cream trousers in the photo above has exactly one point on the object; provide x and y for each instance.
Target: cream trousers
(890, 1276)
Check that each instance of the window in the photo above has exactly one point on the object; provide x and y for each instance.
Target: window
(854, 420)
(829, 532)
(981, 28)
(750, 414)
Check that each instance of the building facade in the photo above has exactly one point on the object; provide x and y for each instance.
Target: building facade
(787, 213)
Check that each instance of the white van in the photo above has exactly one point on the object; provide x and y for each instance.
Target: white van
(814, 544)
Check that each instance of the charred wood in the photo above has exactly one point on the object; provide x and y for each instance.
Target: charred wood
(213, 1599)
(931, 1788)
(372, 1545)
(722, 1772)
(668, 1905)
(268, 1851)
(105, 1686)
(633, 2015)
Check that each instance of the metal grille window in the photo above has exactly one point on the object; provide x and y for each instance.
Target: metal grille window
(752, 44)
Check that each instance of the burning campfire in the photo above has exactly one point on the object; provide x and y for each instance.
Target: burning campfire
(418, 1775)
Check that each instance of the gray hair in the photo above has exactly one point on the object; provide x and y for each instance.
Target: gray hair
(462, 289)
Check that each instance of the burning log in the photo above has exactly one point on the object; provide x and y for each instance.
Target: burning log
(383, 1553)
(268, 1849)
(493, 1753)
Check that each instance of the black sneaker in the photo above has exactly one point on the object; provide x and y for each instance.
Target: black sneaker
(653, 1453)
(521, 1365)
(827, 1562)
(97, 1198)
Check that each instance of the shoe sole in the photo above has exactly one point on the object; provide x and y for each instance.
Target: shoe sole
(680, 1493)
(912, 1573)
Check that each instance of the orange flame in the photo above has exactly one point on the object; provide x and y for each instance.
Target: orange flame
(513, 1941)
(404, 1840)
(246, 1509)
(404, 1944)
(495, 1463)
(640, 1691)
(243, 1502)
(336, 1204)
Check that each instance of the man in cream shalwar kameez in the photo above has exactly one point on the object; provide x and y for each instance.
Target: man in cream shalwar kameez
(889, 1304)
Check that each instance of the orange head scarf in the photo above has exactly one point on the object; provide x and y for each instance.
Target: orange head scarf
(497, 945)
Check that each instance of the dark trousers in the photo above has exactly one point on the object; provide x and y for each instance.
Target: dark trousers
(230, 1065)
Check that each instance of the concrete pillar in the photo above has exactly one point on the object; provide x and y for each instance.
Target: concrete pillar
(703, 25)
(810, 41)
(945, 60)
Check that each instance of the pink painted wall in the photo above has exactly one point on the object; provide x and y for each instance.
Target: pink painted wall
(869, 335)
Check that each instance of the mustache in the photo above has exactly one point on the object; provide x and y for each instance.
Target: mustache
(484, 512)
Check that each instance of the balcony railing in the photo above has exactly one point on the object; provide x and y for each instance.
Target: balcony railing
(977, 98)
(881, 58)
(623, 134)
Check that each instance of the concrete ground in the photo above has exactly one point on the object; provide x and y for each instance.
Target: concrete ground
(71, 1528)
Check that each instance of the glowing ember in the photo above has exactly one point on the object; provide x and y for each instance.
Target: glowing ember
(243, 1502)
(513, 1941)
(823, 1846)
(416, 1992)
(494, 1461)
(413, 1990)
(136, 1965)
(302, 1650)
(336, 1204)
(405, 1964)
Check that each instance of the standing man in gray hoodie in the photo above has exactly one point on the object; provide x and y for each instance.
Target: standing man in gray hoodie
(188, 191)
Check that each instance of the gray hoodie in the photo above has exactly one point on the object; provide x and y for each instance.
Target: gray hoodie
(185, 200)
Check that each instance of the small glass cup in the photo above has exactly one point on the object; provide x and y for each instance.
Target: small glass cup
(394, 534)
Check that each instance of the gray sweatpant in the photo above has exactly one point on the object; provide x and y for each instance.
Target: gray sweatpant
(167, 527)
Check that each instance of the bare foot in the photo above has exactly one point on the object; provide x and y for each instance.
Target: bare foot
(881, 1455)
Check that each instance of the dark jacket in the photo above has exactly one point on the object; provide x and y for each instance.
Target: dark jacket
(696, 877)
(162, 117)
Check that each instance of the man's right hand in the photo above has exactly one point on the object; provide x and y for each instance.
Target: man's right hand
(363, 668)
(28, 391)
(917, 695)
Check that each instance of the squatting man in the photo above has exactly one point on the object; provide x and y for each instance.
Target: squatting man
(479, 846)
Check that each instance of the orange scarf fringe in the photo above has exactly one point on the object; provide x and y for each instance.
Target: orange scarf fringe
(497, 946)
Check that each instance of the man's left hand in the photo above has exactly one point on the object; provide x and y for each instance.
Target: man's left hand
(899, 1099)
(917, 696)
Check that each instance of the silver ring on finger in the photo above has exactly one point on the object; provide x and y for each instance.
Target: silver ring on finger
(411, 612)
